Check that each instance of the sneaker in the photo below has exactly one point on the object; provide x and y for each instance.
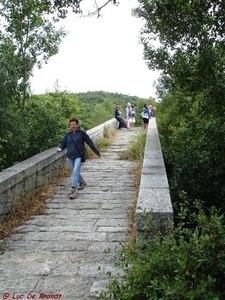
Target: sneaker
(72, 193)
(81, 185)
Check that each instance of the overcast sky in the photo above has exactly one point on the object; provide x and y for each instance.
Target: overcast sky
(100, 54)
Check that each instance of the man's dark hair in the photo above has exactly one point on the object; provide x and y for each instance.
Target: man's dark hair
(74, 120)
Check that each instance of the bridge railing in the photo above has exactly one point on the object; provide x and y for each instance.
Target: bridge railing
(23, 178)
(154, 206)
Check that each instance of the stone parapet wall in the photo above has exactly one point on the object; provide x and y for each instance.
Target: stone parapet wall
(23, 178)
(154, 206)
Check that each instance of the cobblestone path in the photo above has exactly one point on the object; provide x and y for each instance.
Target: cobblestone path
(58, 255)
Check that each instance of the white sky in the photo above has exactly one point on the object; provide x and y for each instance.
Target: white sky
(100, 54)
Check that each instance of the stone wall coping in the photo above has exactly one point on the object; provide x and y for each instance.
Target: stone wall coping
(154, 201)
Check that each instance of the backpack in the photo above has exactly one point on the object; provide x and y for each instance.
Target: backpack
(129, 113)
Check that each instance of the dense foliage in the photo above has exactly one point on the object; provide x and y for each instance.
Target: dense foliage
(187, 263)
(185, 39)
(33, 39)
(28, 37)
(45, 120)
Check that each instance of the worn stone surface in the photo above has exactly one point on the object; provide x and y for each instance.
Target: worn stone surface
(66, 252)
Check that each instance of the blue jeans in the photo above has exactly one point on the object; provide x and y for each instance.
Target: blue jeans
(75, 166)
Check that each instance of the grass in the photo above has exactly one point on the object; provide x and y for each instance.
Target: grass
(136, 172)
(135, 153)
(34, 204)
(137, 148)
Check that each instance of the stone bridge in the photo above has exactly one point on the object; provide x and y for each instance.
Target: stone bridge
(66, 252)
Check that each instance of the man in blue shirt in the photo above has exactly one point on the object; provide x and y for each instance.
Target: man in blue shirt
(73, 141)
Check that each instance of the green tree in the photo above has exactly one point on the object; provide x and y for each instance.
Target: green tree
(190, 51)
(101, 113)
(8, 92)
(46, 122)
(34, 37)
(48, 117)
(28, 38)
(190, 40)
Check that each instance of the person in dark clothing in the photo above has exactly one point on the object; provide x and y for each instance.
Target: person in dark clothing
(146, 116)
(74, 141)
(119, 118)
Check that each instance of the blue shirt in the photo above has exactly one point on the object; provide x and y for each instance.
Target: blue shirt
(77, 138)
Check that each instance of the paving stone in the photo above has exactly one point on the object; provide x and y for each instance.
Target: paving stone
(68, 251)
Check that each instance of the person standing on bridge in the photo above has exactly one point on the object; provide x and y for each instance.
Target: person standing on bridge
(132, 115)
(119, 118)
(146, 115)
(74, 141)
(128, 108)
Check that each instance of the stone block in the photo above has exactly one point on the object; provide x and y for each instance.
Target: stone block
(154, 209)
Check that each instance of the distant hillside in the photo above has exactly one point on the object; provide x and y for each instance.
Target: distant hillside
(97, 107)
(100, 96)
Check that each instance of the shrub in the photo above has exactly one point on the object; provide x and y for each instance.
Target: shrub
(186, 263)
(137, 147)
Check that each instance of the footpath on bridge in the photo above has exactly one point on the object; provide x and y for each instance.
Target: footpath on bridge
(59, 255)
